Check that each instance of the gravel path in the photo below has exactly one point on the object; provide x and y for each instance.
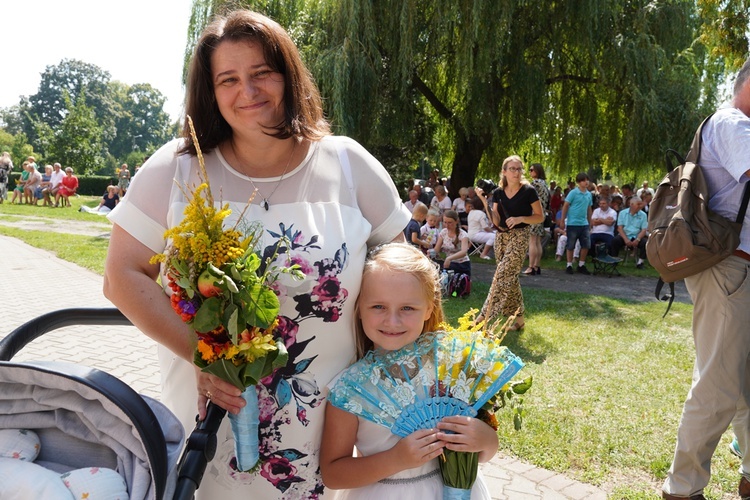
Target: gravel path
(636, 288)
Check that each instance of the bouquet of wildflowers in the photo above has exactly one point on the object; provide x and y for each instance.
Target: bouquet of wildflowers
(459, 469)
(450, 372)
(224, 291)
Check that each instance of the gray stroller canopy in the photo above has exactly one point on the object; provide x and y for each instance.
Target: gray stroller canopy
(88, 418)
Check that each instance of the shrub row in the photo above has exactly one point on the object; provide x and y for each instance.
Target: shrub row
(88, 185)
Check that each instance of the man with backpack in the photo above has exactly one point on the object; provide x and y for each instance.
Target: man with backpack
(721, 296)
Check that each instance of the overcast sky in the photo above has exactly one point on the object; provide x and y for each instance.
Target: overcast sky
(138, 41)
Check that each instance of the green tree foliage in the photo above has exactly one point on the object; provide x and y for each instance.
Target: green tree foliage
(130, 120)
(576, 84)
(17, 146)
(77, 79)
(142, 125)
(78, 140)
(597, 85)
(726, 30)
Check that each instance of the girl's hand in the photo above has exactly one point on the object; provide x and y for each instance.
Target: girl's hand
(222, 393)
(418, 448)
(468, 434)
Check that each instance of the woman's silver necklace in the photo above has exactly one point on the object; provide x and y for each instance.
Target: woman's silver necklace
(264, 203)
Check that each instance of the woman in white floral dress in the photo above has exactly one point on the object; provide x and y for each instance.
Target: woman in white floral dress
(260, 124)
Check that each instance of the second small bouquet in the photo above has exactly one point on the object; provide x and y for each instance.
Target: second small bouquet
(224, 290)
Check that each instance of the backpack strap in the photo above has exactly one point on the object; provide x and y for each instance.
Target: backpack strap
(668, 296)
(743, 206)
(694, 155)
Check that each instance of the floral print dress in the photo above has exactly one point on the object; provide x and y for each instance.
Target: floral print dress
(334, 205)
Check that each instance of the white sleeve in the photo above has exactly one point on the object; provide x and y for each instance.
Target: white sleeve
(377, 196)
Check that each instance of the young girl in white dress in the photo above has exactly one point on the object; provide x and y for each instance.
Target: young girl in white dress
(400, 299)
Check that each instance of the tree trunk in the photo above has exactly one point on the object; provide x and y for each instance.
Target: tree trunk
(469, 151)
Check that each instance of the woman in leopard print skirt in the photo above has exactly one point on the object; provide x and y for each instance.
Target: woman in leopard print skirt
(515, 207)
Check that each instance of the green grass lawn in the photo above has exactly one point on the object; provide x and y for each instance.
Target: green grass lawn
(610, 377)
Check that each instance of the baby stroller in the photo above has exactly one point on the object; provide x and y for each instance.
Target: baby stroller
(85, 417)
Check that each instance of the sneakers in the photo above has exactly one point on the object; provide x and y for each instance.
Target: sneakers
(734, 448)
(639, 265)
(569, 269)
(583, 270)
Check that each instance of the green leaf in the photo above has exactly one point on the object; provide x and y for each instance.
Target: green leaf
(262, 306)
(230, 284)
(208, 315)
(231, 316)
(253, 372)
(523, 386)
(215, 271)
(235, 274)
(282, 356)
(252, 262)
(227, 371)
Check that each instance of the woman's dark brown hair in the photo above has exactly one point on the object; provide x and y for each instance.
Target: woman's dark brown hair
(303, 111)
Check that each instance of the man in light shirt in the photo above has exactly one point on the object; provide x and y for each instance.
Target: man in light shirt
(54, 184)
(720, 390)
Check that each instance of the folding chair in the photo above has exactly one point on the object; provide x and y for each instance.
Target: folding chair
(605, 263)
(475, 248)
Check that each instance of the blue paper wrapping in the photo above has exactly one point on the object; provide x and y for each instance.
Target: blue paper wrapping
(450, 493)
(245, 430)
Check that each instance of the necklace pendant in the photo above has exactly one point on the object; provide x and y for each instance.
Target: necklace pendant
(265, 204)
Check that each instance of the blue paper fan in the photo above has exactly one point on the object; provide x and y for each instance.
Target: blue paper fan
(441, 374)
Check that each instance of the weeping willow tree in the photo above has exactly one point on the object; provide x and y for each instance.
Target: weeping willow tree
(578, 85)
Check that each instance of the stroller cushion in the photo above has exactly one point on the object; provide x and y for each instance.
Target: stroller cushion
(21, 480)
(21, 444)
(96, 483)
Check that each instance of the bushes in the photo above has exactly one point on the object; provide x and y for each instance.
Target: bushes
(90, 185)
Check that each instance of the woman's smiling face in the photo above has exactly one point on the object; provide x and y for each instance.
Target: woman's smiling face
(249, 94)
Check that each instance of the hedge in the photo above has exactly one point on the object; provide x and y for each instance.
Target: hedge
(88, 185)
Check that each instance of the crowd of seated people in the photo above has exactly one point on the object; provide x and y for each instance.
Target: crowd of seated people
(55, 186)
(619, 220)
(429, 205)
(619, 217)
(34, 186)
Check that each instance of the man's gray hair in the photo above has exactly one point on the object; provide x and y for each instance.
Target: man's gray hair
(635, 198)
(742, 77)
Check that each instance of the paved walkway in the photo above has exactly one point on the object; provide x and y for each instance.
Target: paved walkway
(34, 282)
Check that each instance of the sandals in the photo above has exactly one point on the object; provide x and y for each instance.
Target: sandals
(517, 327)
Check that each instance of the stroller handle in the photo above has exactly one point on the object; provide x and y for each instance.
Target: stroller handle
(200, 449)
(35, 328)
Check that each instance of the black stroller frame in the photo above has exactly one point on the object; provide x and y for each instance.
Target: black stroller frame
(200, 446)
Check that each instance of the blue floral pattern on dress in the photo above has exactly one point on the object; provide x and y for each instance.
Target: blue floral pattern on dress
(293, 383)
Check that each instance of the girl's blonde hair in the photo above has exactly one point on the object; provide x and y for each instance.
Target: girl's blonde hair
(402, 258)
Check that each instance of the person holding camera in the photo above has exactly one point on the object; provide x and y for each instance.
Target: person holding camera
(515, 207)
